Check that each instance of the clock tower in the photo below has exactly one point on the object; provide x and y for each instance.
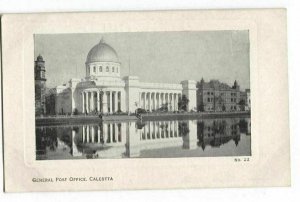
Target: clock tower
(40, 85)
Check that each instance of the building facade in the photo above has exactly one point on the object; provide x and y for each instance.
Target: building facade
(104, 91)
(217, 96)
(248, 99)
(40, 85)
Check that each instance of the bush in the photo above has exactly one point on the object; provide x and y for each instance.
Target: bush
(75, 112)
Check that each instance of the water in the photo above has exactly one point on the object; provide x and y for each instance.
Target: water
(151, 139)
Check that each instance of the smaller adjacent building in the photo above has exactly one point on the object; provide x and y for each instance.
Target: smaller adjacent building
(217, 96)
(248, 99)
(40, 85)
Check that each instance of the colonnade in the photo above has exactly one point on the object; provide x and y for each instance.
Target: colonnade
(102, 101)
(110, 133)
(160, 130)
(155, 100)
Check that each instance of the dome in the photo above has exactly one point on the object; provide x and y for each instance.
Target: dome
(102, 52)
(40, 58)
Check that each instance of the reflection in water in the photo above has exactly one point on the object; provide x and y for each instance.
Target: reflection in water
(156, 139)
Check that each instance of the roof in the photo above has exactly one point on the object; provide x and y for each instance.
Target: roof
(102, 52)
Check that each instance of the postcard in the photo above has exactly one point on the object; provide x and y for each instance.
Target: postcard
(145, 100)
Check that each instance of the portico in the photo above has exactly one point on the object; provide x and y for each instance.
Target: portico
(102, 100)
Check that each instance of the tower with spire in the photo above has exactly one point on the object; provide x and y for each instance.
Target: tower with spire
(40, 85)
(236, 86)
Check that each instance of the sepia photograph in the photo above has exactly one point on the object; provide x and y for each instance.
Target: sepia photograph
(142, 95)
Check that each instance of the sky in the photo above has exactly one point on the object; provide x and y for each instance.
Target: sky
(161, 57)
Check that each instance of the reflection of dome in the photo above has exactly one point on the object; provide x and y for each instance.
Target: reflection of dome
(102, 52)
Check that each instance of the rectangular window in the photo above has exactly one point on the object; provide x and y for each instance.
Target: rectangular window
(113, 69)
(100, 69)
(107, 69)
(94, 69)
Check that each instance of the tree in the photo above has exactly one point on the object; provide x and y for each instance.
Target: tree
(183, 103)
(183, 128)
(75, 112)
(242, 104)
(201, 107)
(218, 101)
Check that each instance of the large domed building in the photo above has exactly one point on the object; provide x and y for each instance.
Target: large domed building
(103, 90)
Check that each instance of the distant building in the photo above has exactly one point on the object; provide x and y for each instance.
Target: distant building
(217, 96)
(40, 85)
(248, 99)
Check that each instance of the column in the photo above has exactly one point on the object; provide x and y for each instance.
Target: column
(158, 101)
(87, 133)
(110, 102)
(171, 100)
(171, 129)
(123, 101)
(111, 132)
(104, 102)
(82, 94)
(104, 133)
(93, 133)
(87, 102)
(155, 107)
(123, 132)
(149, 105)
(154, 130)
(159, 129)
(163, 99)
(92, 101)
(144, 101)
(174, 129)
(98, 132)
(116, 101)
(151, 102)
(175, 102)
(83, 134)
(167, 100)
(149, 130)
(148, 101)
(98, 101)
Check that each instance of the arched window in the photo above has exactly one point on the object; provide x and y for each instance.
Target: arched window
(100, 69)
(94, 69)
(107, 69)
